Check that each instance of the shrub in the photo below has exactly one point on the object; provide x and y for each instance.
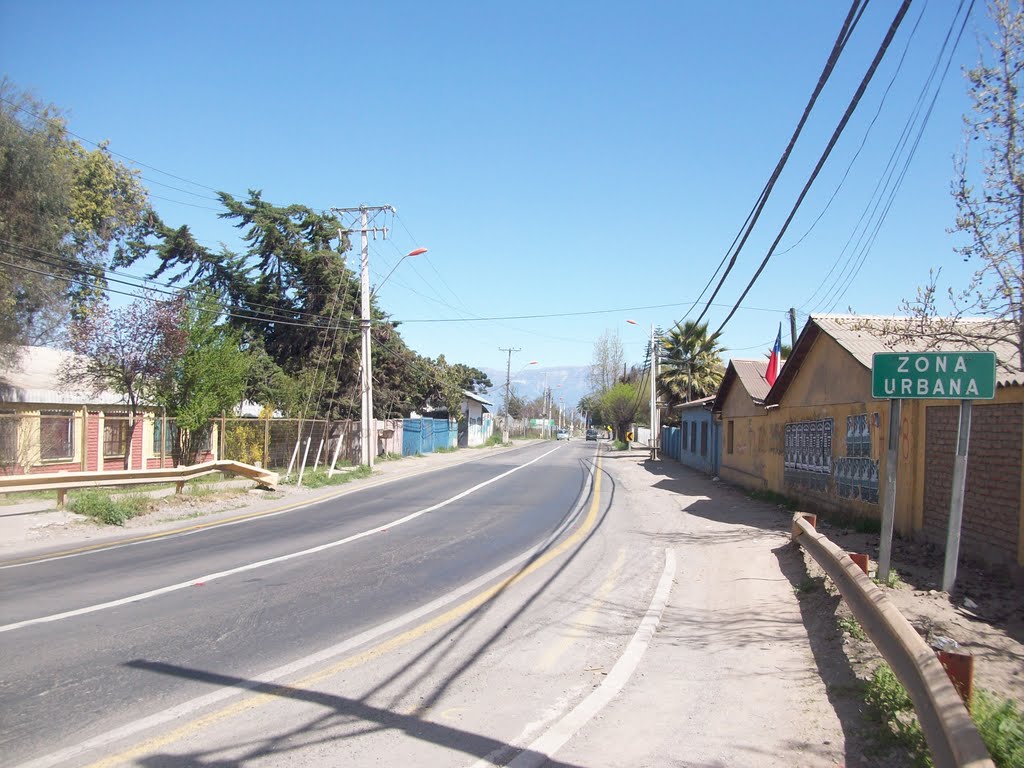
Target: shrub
(106, 509)
(1001, 727)
(890, 704)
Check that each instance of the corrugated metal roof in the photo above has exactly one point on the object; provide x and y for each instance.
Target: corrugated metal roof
(474, 396)
(701, 403)
(751, 374)
(35, 378)
(863, 336)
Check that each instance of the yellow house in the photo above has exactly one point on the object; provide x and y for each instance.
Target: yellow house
(822, 439)
(739, 406)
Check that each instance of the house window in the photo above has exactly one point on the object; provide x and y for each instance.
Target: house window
(170, 439)
(115, 436)
(693, 437)
(56, 436)
(704, 438)
(8, 438)
(685, 432)
(730, 434)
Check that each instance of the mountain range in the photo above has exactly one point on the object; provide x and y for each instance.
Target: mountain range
(567, 382)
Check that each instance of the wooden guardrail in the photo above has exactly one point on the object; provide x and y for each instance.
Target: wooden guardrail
(953, 740)
(62, 482)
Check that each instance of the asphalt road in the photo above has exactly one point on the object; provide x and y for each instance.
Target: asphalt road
(82, 640)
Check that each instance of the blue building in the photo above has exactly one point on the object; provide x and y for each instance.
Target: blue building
(697, 441)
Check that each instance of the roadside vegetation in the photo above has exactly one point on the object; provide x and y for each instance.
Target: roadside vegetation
(318, 478)
(108, 509)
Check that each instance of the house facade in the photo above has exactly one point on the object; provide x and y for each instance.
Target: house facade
(739, 410)
(477, 423)
(696, 442)
(821, 438)
(47, 426)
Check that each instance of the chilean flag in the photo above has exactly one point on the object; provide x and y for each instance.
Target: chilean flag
(774, 360)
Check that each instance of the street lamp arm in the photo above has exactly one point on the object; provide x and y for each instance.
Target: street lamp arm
(414, 252)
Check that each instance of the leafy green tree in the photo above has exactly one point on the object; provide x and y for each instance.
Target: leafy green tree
(620, 406)
(206, 379)
(64, 212)
(690, 363)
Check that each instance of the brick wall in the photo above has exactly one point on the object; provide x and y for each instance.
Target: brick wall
(990, 530)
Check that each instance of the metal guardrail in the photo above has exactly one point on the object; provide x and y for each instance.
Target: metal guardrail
(61, 482)
(953, 740)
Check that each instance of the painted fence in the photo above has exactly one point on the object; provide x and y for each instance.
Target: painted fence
(427, 435)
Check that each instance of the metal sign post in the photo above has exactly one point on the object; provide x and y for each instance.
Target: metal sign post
(889, 504)
(966, 376)
(956, 504)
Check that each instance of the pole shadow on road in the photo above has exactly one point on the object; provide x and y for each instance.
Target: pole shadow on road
(341, 710)
(345, 709)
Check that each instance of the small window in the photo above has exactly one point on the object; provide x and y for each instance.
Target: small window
(56, 436)
(170, 439)
(684, 430)
(693, 437)
(115, 436)
(730, 433)
(8, 438)
(704, 438)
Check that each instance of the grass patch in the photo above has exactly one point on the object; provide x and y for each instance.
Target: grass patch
(318, 478)
(619, 445)
(1001, 727)
(852, 627)
(445, 450)
(809, 584)
(893, 581)
(494, 439)
(387, 457)
(891, 707)
(103, 508)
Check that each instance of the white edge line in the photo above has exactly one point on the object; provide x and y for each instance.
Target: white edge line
(346, 646)
(545, 747)
(292, 507)
(262, 563)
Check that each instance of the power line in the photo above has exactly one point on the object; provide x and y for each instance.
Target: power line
(107, 149)
(849, 24)
(893, 27)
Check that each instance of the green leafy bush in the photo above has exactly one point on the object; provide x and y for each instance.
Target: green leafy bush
(890, 705)
(107, 509)
(1001, 727)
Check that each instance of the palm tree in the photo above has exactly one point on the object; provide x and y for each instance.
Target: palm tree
(690, 363)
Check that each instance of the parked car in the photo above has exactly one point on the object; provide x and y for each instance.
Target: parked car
(562, 434)
(591, 434)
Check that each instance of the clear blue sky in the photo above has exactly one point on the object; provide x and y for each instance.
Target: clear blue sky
(554, 157)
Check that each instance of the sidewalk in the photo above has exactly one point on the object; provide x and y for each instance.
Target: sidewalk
(38, 524)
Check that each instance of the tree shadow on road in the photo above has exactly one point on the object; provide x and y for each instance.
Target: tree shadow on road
(365, 717)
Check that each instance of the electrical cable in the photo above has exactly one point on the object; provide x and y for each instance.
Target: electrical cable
(903, 172)
(849, 24)
(893, 27)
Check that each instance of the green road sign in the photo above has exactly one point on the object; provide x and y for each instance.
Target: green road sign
(933, 375)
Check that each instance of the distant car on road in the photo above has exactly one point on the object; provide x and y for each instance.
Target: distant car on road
(562, 434)
(591, 434)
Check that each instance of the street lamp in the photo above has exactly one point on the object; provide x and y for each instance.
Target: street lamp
(368, 425)
(654, 393)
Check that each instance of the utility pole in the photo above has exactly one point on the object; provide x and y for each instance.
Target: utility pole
(508, 382)
(368, 425)
(792, 328)
(654, 396)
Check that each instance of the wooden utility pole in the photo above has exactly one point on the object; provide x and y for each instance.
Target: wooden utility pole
(508, 383)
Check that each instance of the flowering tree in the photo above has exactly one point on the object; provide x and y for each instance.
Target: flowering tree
(127, 350)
